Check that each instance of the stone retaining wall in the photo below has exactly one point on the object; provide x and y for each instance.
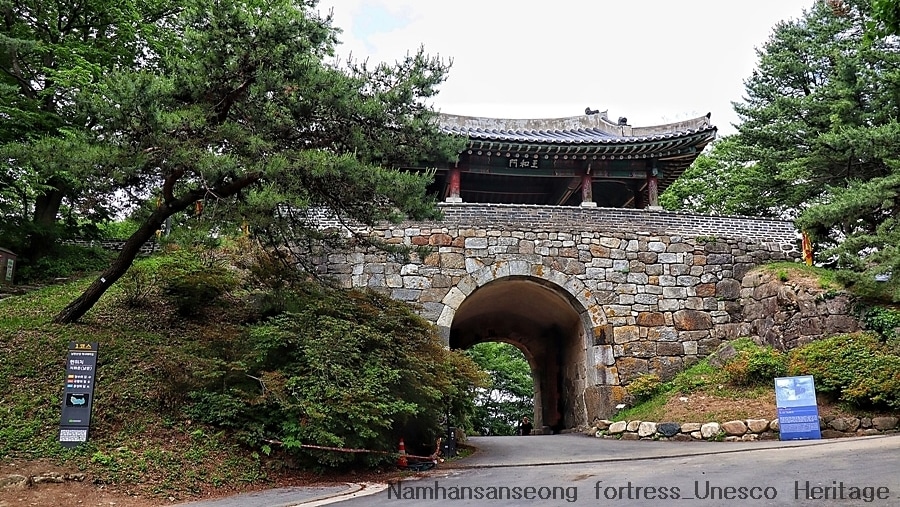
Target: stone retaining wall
(792, 312)
(114, 245)
(736, 431)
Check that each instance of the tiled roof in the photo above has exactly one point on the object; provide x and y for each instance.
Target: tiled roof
(593, 129)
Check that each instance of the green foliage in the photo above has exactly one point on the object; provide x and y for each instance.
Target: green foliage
(117, 230)
(244, 111)
(856, 368)
(887, 13)
(50, 177)
(817, 142)
(756, 366)
(883, 321)
(62, 262)
(644, 387)
(344, 369)
(140, 285)
(501, 405)
(696, 377)
(193, 281)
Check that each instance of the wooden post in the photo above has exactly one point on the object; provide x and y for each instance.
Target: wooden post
(454, 178)
(652, 191)
(587, 189)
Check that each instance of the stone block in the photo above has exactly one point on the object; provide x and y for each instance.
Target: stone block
(631, 367)
(666, 366)
(669, 348)
(668, 429)
(602, 424)
(884, 423)
(692, 320)
(710, 430)
(453, 261)
(617, 427)
(650, 319)
(690, 427)
(641, 348)
(633, 425)
(736, 428)
(646, 429)
(14, 482)
(757, 425)
(625, 334)
(476, 243)
(630, 436)
(845, 424)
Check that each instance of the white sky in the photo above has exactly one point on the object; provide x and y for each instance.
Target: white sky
(652, 61)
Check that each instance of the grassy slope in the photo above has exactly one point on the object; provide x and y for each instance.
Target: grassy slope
(135, 442)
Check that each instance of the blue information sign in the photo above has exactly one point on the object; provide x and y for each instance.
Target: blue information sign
(798, 414)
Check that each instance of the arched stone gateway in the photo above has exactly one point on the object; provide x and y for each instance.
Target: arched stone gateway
(553, 239)
(551, 317)
(595, 297)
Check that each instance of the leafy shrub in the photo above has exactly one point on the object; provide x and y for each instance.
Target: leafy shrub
(756, 366)
(883, 321)
(856, 368)
(140, 283)
(343, 369)
(644, 387)
(193, 278)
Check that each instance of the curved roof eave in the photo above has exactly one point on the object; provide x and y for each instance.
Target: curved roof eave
(588, 129)
(639, 147)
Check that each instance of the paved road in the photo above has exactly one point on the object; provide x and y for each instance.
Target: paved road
(579, 470)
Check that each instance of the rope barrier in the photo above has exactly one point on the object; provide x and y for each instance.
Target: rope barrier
(358, 451)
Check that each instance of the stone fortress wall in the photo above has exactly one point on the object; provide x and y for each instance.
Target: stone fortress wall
(656, 290)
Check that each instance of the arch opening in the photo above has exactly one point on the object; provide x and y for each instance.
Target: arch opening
(543, 321)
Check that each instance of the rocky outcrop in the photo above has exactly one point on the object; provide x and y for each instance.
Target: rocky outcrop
(788, 313)
(16, 482)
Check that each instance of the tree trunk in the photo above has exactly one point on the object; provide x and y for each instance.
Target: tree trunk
(43, 235)
(78, 307)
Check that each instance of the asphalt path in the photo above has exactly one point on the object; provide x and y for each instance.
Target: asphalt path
(574, 469)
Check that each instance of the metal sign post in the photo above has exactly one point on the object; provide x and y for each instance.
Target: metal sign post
(78, 396)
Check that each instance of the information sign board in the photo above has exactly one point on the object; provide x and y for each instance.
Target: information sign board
(798, 414)
(78, 395)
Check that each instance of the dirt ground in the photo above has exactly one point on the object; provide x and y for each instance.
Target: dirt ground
(88, 494)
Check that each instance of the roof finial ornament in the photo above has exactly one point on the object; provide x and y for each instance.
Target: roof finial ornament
(588, 111)
(623, 121)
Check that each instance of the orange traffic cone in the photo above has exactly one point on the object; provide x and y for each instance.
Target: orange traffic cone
(401, 461)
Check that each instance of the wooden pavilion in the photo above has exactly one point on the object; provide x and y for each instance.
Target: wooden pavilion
(582, 160)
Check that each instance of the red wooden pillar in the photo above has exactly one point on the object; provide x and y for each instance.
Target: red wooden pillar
(454, 178)
(587, 189)
(652, 191)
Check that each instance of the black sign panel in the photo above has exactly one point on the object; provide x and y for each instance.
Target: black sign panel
(81, 371)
